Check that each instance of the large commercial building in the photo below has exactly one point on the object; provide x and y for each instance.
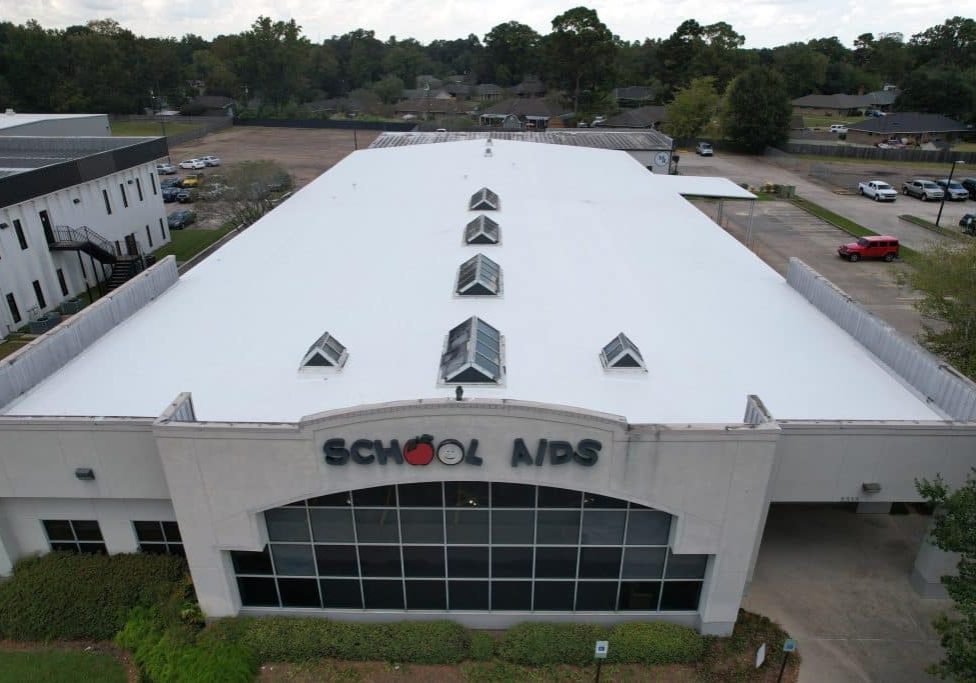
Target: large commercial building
(558, 392)
(54, 125)
(74, 213)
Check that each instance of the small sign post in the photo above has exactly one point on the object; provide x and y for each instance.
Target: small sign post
(761, 655)
(600, 653)
(788, 647)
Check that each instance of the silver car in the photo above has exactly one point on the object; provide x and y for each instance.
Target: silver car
(923, 189)
(954, 190)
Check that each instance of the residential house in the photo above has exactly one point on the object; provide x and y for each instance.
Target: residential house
(532, 113)
(633, 96)
(650, 116)
(908, 127)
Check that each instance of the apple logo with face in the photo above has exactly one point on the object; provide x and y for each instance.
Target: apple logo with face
(450, 452)
(419, 450)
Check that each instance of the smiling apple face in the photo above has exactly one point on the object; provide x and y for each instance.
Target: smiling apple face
(420, 450)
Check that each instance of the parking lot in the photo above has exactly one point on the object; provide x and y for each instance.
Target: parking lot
(305, 153)
(782, 230)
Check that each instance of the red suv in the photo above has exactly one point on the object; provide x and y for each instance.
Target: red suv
(876, 246)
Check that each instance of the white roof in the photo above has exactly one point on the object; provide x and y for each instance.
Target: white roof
(14, 120)
(591, 245)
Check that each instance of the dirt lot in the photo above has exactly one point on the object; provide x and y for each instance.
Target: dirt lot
(305, 152)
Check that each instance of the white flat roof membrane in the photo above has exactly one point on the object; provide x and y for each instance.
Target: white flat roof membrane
(591, 245)
(14, 120)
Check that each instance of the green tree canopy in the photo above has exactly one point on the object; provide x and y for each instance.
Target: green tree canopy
(693, 108)
(946, 278)
(757, 109)
(512, 51)
(581, 55)
(955, 531)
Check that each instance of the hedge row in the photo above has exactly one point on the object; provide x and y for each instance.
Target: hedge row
(287, 639)
(165, 652)
(83, 597)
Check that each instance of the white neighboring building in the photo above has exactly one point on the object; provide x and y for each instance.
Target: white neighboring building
(54, 125)
(73, 210)
(525, 401)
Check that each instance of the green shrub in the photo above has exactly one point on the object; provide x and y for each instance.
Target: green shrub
(656, 642)
(166, 652)
(538, 644)
(286, 639)
(482, 646)
(76, 597)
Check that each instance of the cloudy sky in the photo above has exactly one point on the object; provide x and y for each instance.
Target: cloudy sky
(764, 23)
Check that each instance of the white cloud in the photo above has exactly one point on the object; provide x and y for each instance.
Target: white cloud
(765, 23)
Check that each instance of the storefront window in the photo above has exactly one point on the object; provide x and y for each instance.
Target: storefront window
(469, 546)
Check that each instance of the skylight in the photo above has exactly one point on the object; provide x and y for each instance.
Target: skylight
(325, 352)
(482, 230)
(484, 200)
(479, 276)
(621, 353)
(473, 354)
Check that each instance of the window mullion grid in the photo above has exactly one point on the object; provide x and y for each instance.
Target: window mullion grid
(315, 562)
(355, 541)
(490, 572)
(447, 571)
(623, 557)
(664, 573)
(403, 569)
(274, 570)
(535, 544)
(74, 535)
(579, 553)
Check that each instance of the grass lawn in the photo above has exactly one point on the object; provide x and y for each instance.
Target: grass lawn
(964, 147)
(187, 243)
(13, 342)
(936, 166)
(55, 666)
(149, 128)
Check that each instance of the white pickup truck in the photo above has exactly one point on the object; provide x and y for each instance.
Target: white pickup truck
(878, 190)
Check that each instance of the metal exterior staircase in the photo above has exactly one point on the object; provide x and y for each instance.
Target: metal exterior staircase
(83, 239)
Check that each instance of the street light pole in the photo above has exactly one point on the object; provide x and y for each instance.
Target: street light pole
(946, 191)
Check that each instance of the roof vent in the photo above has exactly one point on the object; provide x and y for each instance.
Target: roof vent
(482, 230)
(479, 276)
(484, 200)
(621, 353)
(472, 354)
(326, 352)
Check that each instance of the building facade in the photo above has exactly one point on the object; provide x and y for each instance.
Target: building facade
(519, 408)
(71, 208)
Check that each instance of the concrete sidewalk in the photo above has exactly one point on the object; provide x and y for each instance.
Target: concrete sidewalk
(838, 582)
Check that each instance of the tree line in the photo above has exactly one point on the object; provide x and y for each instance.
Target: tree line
(104, 67)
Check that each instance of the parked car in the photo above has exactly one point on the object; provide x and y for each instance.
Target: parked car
(969, 184)
(838, 128)
(876, 113)
(922, 189)
(192, 164)
(170, 182)
(878, 190)
(165, 169)
(704, 149)
(210, 161)
(180, 219)
(191, 180)
(954, 190)
(170, 193)
(186, 196)
(874, 246)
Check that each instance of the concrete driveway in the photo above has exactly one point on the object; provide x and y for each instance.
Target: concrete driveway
(880, 217)
(838, 582)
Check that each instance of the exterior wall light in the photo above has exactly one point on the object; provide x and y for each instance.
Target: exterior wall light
(3, 226)
(871, 487)
(76, 200)
(85, 474)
